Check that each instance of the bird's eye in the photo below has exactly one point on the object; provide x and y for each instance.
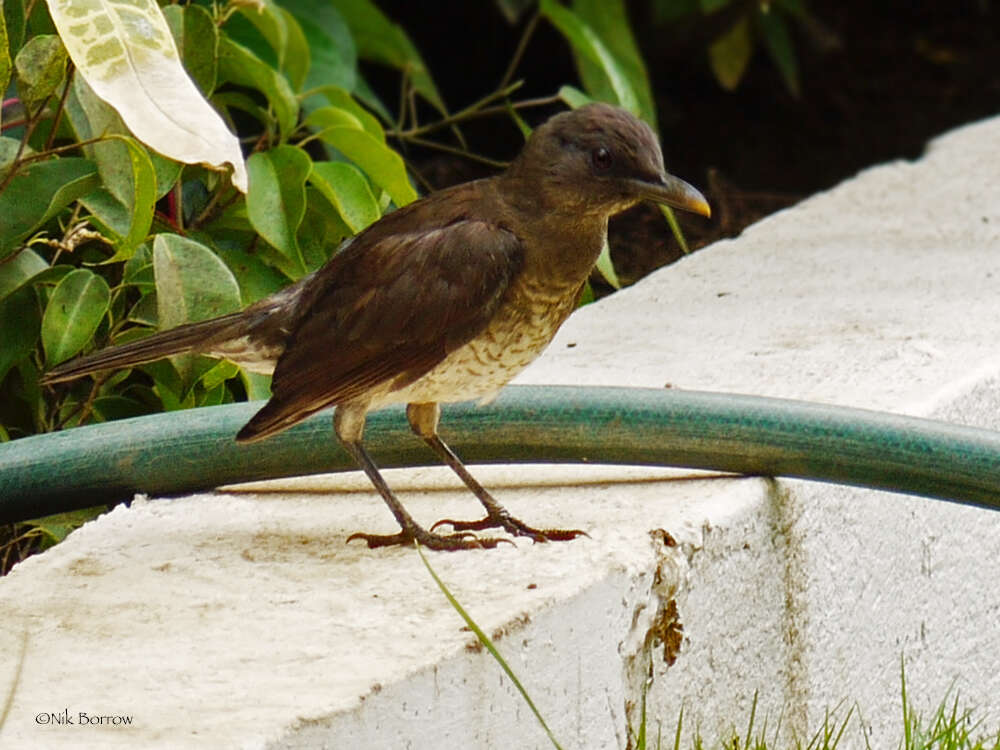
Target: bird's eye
(600, 157)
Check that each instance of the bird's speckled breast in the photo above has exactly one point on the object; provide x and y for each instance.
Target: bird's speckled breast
(522, 327)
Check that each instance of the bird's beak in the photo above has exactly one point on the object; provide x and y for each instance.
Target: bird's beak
(674, 192)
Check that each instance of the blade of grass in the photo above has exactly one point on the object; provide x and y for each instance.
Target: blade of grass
(488, 645)
(9, 701)
(675, 228)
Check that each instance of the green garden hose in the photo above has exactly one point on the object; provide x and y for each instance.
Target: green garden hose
(179, 452)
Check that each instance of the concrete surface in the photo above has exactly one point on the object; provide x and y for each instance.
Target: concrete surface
(241, 618)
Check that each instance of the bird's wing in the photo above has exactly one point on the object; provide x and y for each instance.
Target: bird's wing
(390, 309)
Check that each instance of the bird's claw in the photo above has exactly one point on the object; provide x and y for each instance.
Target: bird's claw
(461, 540)
(512, 525)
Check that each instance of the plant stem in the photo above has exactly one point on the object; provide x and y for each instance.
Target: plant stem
(458, 152)
(472, 110)
(31, 122)
(70, 70)
(522, 44)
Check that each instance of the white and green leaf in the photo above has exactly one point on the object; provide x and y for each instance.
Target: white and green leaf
(125, 51)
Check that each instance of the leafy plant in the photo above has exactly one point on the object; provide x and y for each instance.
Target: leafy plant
(126, 203)
(116, 217)
(114, 223)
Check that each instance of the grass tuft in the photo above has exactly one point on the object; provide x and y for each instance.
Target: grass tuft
(950, 728)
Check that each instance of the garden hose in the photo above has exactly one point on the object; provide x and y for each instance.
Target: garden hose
(186, 451)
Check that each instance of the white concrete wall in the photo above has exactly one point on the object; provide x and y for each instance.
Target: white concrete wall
(241, 619)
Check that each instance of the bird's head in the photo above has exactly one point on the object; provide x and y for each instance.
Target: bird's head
(601, 159)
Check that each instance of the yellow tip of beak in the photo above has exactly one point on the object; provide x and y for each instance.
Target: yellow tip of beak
(674, 192)
(702, 207)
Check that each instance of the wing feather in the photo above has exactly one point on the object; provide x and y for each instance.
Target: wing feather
(391, 307)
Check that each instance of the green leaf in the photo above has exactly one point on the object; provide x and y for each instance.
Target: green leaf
(606, 268)
(220, 372)
(380, 40)
(383, 165)
(264, 15)
(138, 270)
(321, 232)
(128, 222)
(347, 190)
(143, 312)
(20, 323)
(729, 55)
(110, 408)
(39, 20)
(778, 41)
(334, 56)
(239, 101)
(298, 56)
(331, 117)
(9, 148)
(285, 37)
(276, 202)
(212, 397)
(13, 20)
(167, 382)
(143, 197)
(342, 99)
(197, 38)
(19, 270)
(52, 275)
(75, 309)
(192, 283)
(258, 386)
(573, 96)
(587, 45)
(256, 279)
(6, 65)
(239, 65)
(370, 99)
(609, 19)
(38, 192)
(57, 527)
(40, 67)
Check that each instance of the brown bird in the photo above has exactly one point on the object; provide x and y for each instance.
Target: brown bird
(443, 300)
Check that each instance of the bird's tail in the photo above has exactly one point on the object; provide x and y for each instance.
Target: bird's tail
(191, 337)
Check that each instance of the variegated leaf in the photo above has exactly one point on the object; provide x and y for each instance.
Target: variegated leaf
(124, 50)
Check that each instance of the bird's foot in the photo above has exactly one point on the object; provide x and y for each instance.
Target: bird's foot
(463, 539)
(514, 526)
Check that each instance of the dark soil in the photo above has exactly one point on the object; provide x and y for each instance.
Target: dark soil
(878, 80)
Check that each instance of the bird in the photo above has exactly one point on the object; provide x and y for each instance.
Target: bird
(445, 299)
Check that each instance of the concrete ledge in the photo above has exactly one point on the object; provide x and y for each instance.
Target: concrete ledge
(241, 619)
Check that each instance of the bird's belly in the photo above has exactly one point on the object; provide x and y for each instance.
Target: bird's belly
(517, 334)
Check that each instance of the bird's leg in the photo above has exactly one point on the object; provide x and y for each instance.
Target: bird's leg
(349, 424)
(423, 420)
